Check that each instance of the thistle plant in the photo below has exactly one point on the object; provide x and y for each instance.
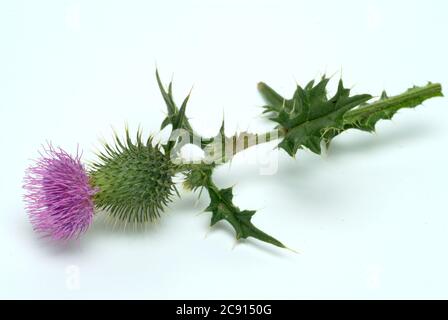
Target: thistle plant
(132, 180)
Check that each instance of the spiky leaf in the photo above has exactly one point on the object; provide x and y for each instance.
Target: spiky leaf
(222, 208)
(366, 117)
(176, 117)
(199, 176)
(307, 117)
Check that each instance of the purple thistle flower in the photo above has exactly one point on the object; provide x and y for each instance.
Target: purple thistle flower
(58, 195)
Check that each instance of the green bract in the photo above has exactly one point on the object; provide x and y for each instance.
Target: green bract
(134, 180)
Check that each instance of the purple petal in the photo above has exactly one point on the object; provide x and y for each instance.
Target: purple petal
(58, 195)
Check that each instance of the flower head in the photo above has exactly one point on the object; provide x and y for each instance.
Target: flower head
(59, 197)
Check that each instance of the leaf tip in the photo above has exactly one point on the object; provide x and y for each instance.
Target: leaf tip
(261, 86)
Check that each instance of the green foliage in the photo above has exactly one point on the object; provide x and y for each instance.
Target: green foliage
(176, 117)
(307, 120)
(221, 205)
(310, 131)
(367, 116)
(309, 114)
(134, 180)
(222, 208)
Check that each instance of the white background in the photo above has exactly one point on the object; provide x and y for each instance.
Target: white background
(370, 219)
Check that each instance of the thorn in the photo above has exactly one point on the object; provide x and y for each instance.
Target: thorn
(191, 90)
(114, 131)
(293, 251)
(200, 213)
(115, 224)
(336, 72)
(295, 80)
(261, 208)
(200, 193)
(223, 123)
(316, 76)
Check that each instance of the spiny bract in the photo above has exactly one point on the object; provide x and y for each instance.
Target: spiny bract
(134, 180)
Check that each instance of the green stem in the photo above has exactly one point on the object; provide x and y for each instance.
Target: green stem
(225, 148)
(409, 99)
